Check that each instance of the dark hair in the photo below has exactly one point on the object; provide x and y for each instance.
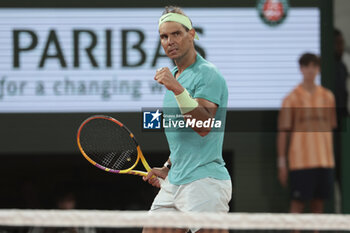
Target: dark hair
(308, 58)
(173, 9)
(177, 10)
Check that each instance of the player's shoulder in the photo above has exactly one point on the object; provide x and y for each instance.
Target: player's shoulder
(206, 66)
(207, 69)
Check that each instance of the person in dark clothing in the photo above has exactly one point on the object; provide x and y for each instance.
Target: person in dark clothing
(341, 74)
(341, 97)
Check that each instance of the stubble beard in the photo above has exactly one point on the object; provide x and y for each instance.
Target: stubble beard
(181, 57)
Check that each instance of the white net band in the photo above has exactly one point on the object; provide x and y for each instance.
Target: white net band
(90, 218)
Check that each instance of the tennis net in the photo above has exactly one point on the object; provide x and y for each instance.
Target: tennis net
(97, 221)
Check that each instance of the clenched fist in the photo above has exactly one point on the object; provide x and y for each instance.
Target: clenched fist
(166, 78)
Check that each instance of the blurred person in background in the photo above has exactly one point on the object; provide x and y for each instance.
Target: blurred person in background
(66, 201)
(341, 75)
(305, 123)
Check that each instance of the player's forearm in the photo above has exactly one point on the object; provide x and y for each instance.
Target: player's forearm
(196, 110)
(177, 88)
(202, 114)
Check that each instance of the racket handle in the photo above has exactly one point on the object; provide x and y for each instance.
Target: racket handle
(141, 173)
(138, 173)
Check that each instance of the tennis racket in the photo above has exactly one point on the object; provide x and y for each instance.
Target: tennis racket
(110, 146)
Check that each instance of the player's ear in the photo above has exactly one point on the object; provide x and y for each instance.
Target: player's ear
(192, 33)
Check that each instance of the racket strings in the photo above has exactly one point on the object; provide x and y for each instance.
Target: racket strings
(124, 158)
(108, 144)
(107, 159)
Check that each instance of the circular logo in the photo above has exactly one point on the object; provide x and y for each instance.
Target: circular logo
(273, 12)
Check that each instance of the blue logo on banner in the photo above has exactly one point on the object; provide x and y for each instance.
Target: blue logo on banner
(151, 120)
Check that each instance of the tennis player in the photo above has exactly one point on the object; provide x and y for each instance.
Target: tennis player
(197, 180)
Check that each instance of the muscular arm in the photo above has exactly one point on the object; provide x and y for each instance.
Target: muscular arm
(204, 111)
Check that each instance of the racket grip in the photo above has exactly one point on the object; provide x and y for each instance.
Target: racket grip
(140, 173)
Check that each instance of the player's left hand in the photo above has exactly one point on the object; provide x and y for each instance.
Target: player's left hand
(166, 78)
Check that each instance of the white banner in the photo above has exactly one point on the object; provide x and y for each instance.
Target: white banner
(104, 60)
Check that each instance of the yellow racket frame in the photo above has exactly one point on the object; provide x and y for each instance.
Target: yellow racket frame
(130, 170)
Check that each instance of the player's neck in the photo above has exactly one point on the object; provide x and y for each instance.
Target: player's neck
(186, 61)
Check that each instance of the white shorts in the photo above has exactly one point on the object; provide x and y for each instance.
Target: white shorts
(204, 195)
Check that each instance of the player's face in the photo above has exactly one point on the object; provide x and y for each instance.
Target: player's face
(310, 71)
(175, 40)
